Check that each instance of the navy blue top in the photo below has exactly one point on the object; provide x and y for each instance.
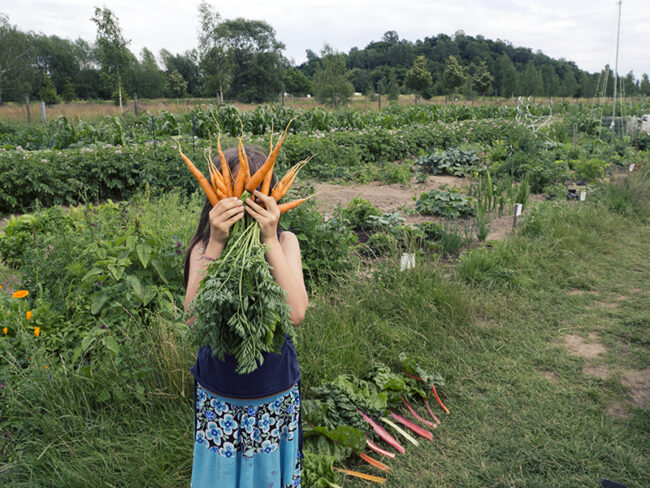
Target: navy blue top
(277, 373)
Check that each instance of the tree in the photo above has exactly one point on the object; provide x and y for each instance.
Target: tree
(644, 86)
(482, 79)
(15, 62)
(112, 49)
(507, 76)
(296, 83)
(149, 78)
(330, 83)
(177, 86)
(47, 91)
(418, 78)
(187, 64)
(454, 74)
(531, 80)
(393, 87)
(215, 60)
(68, 93)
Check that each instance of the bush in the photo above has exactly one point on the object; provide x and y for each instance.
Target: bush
(358, 212)
(454, 161)
(589, 169)
(450, 204)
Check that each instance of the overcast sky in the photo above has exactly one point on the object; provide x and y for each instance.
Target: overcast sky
(583, 31)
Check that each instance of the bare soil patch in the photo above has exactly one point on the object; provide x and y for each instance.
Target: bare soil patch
(638, 383)
(608, 304)
(387, 197)
(579, 347)
(599, 371)
(576, 291)
(616, 409)
(551, 376)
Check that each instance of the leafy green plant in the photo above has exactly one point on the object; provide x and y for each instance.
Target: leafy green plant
(450, 204)
(454, 161)
(358, 212)
(589, 169)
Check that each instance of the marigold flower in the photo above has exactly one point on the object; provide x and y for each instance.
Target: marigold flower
(5, 330)
(37, 331)
(28, 314)
(0, 287)
(20, 294)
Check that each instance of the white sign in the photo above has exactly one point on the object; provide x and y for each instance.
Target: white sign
(583, 195)
(518, 208)
(407, 261)
(630, 167)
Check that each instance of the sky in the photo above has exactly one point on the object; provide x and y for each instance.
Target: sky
(583, 31)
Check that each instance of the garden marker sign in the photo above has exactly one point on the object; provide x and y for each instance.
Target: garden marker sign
(518, 209)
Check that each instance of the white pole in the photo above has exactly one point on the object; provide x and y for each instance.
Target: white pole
(618, 35)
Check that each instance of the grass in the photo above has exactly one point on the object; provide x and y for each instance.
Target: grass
(524, 412)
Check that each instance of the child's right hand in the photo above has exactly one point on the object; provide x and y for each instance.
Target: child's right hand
(222, 216)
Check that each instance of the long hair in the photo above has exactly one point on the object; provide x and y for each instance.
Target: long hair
(256, 158)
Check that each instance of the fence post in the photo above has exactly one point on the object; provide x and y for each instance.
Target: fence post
(27, 107)
(153, 131)
(43, 112)
(193, 148)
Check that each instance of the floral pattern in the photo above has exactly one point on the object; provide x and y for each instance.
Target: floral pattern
(228, 429)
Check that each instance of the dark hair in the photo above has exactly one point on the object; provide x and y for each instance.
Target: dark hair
(256, 158)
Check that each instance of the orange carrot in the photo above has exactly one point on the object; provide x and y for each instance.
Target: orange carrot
(363, 476)
(267, 167)
(285, 207)
(374, 462)
(215, 176)
(225, 169)
(287, 180)
(241, 174)
(209, 192)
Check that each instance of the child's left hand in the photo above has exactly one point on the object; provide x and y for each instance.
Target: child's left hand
(267, 215)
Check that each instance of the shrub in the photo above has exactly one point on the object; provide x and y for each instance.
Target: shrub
(358, 212)
(589, 169)
(450, 204)
(454, 161)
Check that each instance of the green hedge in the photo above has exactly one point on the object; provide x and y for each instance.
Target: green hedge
(92, 173)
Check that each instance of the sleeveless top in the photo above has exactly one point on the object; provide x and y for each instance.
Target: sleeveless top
(277, 373)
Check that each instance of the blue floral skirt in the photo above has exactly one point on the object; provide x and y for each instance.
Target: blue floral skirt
(247, 443)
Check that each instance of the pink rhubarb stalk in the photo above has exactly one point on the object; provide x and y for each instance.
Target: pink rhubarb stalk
(379, 450)
(381, 432)
(433, 415)
(415, 414)
(415, 428)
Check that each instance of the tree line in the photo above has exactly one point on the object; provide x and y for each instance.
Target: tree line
(241, 59)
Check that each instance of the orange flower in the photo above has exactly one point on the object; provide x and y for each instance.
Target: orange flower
(5, 330)
(45, 365)
(0, 287)
(20, 294)
(37, 331)
(28, 314)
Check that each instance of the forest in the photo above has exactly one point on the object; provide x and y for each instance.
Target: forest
(242, 60)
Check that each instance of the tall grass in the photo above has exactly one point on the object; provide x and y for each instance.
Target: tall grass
(509, 425)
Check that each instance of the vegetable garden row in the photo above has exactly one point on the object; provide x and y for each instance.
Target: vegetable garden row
(95, 269)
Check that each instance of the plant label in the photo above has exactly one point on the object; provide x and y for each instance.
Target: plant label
(518, 208)
(407, 261)
(583, 196)
(630, 167)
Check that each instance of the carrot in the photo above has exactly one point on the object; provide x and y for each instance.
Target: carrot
(215, 176)
(241, 174)
(363, 476)
(287, 180)
(374, 462)
(209, 192)
(267, 167)
(284, 207)
(225, 169)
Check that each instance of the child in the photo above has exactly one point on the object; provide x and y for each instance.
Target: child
(247, 429)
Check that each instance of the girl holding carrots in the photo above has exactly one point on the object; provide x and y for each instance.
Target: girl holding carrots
(248, 430)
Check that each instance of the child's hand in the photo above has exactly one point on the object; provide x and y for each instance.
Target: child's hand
(222, 216)
(267, 215)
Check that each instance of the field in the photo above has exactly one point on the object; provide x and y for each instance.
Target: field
(538, 331)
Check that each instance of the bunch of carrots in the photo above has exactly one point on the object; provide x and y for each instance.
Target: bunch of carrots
(240, 309)
(221, 185)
